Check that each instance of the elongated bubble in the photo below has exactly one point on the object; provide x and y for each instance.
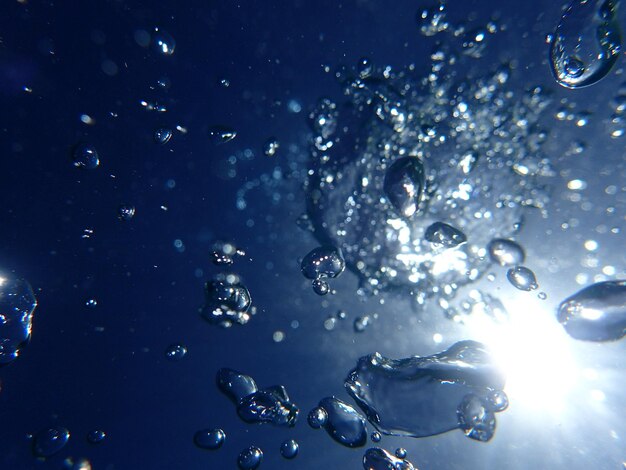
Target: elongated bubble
(403, 186)
(17, 304)
(423, 396)
(596, 313)
(586, 43)
(343, 423)
(379, 459)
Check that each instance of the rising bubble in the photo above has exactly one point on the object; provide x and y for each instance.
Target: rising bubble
(96, 436)
(505, 252)
(289, 449)
(444, 235)
(85, 156)
(522, 278)
(250, 458)
(403, 186)
(163, 42)
(49, 441)
(221, 135)
(596, 313)
(175, 352)
(162, 135)
(210, 439)
(227, 301)
(379, 459)
(344, 424)
(586, 43)
(17, 304)
(325, 261)
(125, 212)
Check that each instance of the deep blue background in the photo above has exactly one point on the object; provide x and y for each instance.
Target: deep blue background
(105, 368)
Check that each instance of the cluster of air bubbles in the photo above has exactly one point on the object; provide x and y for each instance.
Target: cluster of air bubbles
(522, 278)
(17, 305)
(125, 212)
(85, 156)
(49, 441)
(361, 323)
(379, 459)
(175, 352)
(227, 301)
(340, 420)
(250, 458)
(221, 134)
(224, 253)
(91, 303)
(269, 405)
(162, 135)
(432, 20)
(596, 313)
(270, 147)
(586, 43)
(289, 449)
(209, 439)
(96, 436)
(411, 179)
(460, 387)
(320, 264)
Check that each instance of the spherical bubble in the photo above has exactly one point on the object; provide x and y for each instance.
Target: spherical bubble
(17, 305)
(320, 286)
(96, 436)
(250, 458)
(498, 401)
(403, 186)
(361, 323)
(505, 252)
(401, 453)
(227, 302)
(522, 278)
(125, 212)
(162, 135)
(317, 417)
(325, 261)
(175, 352)
(163, 42)
(49, 441)
(476, 419)
(85, 156)
(364, 67)
(210, 439)
(289, 449)
(376, 437)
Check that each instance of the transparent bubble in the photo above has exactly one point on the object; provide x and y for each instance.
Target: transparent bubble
(175, 352)
(505, 252)
(227, 301)
(476, 420)
(49, 441)
(162, 135)
(376, 436)
(96, 436)
(364, 67)
(125, 212)
(271, 147)
(320, 286)
(250, 458)
(91, 303)
(317, 417)
(420, 396)
(522, 278)
(17, 305)
(344, 424)
(403, 186)
(269, 405)
(289, 449)
(85, 156)
(325, 261)
(444, 235)
(596, 313)
(163, 42)
(323, 118)
(210, 439)
(221, 134)
(401, 453)
(361, 323)
(586, 43)
(379, 459)
(474, 43)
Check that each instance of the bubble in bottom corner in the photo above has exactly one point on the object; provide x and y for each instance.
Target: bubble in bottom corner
(379, 459)
(250, 458)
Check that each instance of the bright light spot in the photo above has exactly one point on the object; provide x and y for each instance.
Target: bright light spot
(534, 353)
(576, 185)
(437, 338)
(3, 280)
(597, 395)
(591, 245)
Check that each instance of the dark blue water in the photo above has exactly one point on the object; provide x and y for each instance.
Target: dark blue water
(143, 143)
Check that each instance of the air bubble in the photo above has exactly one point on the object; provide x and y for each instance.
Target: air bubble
(476, 419)
(271, 147)
(403, 186)
(379, 459)
(317, 417)
(444, 235)
(17, 305)
(320, 286)
(344, 424)
(221, 135)
(125, 212)
(325, 261)
(49, 441)
(85, 156)
(175, 352)
(522, 278)
(596, 313)
(586, 43)
(289, 449)
(250, 458)
(162, 135)
(210, 439)
(227, 301)
(96, 436)
(505, 252)
(163, 42)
